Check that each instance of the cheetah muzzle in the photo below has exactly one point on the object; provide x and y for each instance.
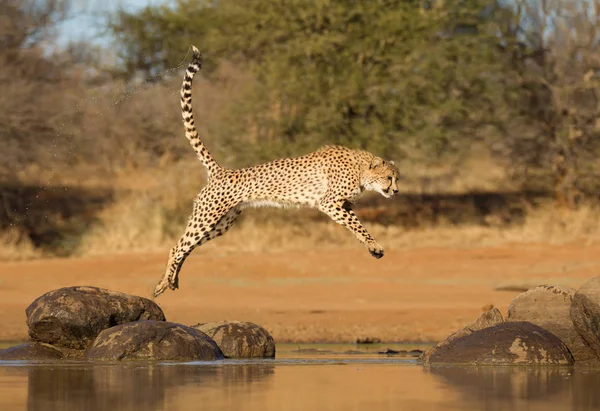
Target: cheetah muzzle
(329, 179)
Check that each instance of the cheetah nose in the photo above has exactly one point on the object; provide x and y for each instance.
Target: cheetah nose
(396, 191)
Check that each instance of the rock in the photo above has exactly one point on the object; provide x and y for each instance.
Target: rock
(487, 319)
(72, 354)
(508, 343)
(585, 314)
(153, 340)
(549, 307)
(73, 316)
(367, 340)
(31, 352)
(389, 351)
(239, 339)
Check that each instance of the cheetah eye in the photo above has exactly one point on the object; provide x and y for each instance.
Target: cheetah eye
(390, 178)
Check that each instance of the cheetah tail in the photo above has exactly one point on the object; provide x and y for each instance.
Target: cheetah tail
(188, 117)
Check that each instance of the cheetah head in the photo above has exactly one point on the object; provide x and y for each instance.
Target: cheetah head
(382, 176)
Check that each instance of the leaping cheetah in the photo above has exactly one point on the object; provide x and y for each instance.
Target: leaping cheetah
(329, 179)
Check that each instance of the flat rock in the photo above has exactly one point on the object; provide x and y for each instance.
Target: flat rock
(239, 339)
(508, 343)
(549, 306)
(585, 314)
(489, 318)
(73, 316)
(153, 340)
(31, 352)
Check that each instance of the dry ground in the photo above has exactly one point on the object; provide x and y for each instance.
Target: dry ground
(418, 294)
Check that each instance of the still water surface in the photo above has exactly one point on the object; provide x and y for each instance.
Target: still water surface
(302, 379)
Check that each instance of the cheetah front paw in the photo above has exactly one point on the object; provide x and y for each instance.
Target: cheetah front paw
(376, 252)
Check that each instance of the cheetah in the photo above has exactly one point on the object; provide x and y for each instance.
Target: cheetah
(329, 179)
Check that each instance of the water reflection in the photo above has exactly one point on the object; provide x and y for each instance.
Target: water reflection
(498, 388)
(131, 387)
(317, 383)
(586, 389)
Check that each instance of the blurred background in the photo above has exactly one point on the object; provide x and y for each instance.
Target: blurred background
(490, 108)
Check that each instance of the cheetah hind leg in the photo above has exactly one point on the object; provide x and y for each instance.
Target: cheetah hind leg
(179, 253)
(220, 228)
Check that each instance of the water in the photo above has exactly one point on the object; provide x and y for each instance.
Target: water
(305, 379)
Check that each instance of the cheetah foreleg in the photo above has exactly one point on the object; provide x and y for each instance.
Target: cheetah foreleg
(342, 215)
(184, 247)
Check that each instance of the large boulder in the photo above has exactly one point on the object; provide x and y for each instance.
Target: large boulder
(489, 318)
(585, 313)
(153, 340)
(73, 316)
(549, 307)
(508, 343)
(238, 339)
(31, 352)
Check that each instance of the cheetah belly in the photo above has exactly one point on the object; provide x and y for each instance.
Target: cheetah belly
(271, 203)
(284, 201)
(288, 191)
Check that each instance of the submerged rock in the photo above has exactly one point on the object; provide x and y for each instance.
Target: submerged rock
(32, 352)
(240, 339)
(153, 340)
(585, 313)
(508, 343)
(73, 316)
(390, 352)
(487, 319)
(548, 306)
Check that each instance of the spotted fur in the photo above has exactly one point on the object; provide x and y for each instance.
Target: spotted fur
(329, 179)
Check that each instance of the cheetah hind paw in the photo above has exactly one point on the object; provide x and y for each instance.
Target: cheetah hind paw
(174, 283)
(165, 283)
(160, 287)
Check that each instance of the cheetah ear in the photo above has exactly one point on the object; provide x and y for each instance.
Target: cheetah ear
(376, 162)
(392, 163)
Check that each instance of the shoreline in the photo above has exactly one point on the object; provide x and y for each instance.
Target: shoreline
(324, 296)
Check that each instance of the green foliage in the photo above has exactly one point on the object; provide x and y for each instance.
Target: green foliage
(329, 71)
(381, 75)
(157, 38)
(396, 77)
(378, 75)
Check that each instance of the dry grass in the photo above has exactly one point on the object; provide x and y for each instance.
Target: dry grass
(151, 206)
(140, 227)
(545, 225)
(16, 246)
(153, 216)
(478, 172)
